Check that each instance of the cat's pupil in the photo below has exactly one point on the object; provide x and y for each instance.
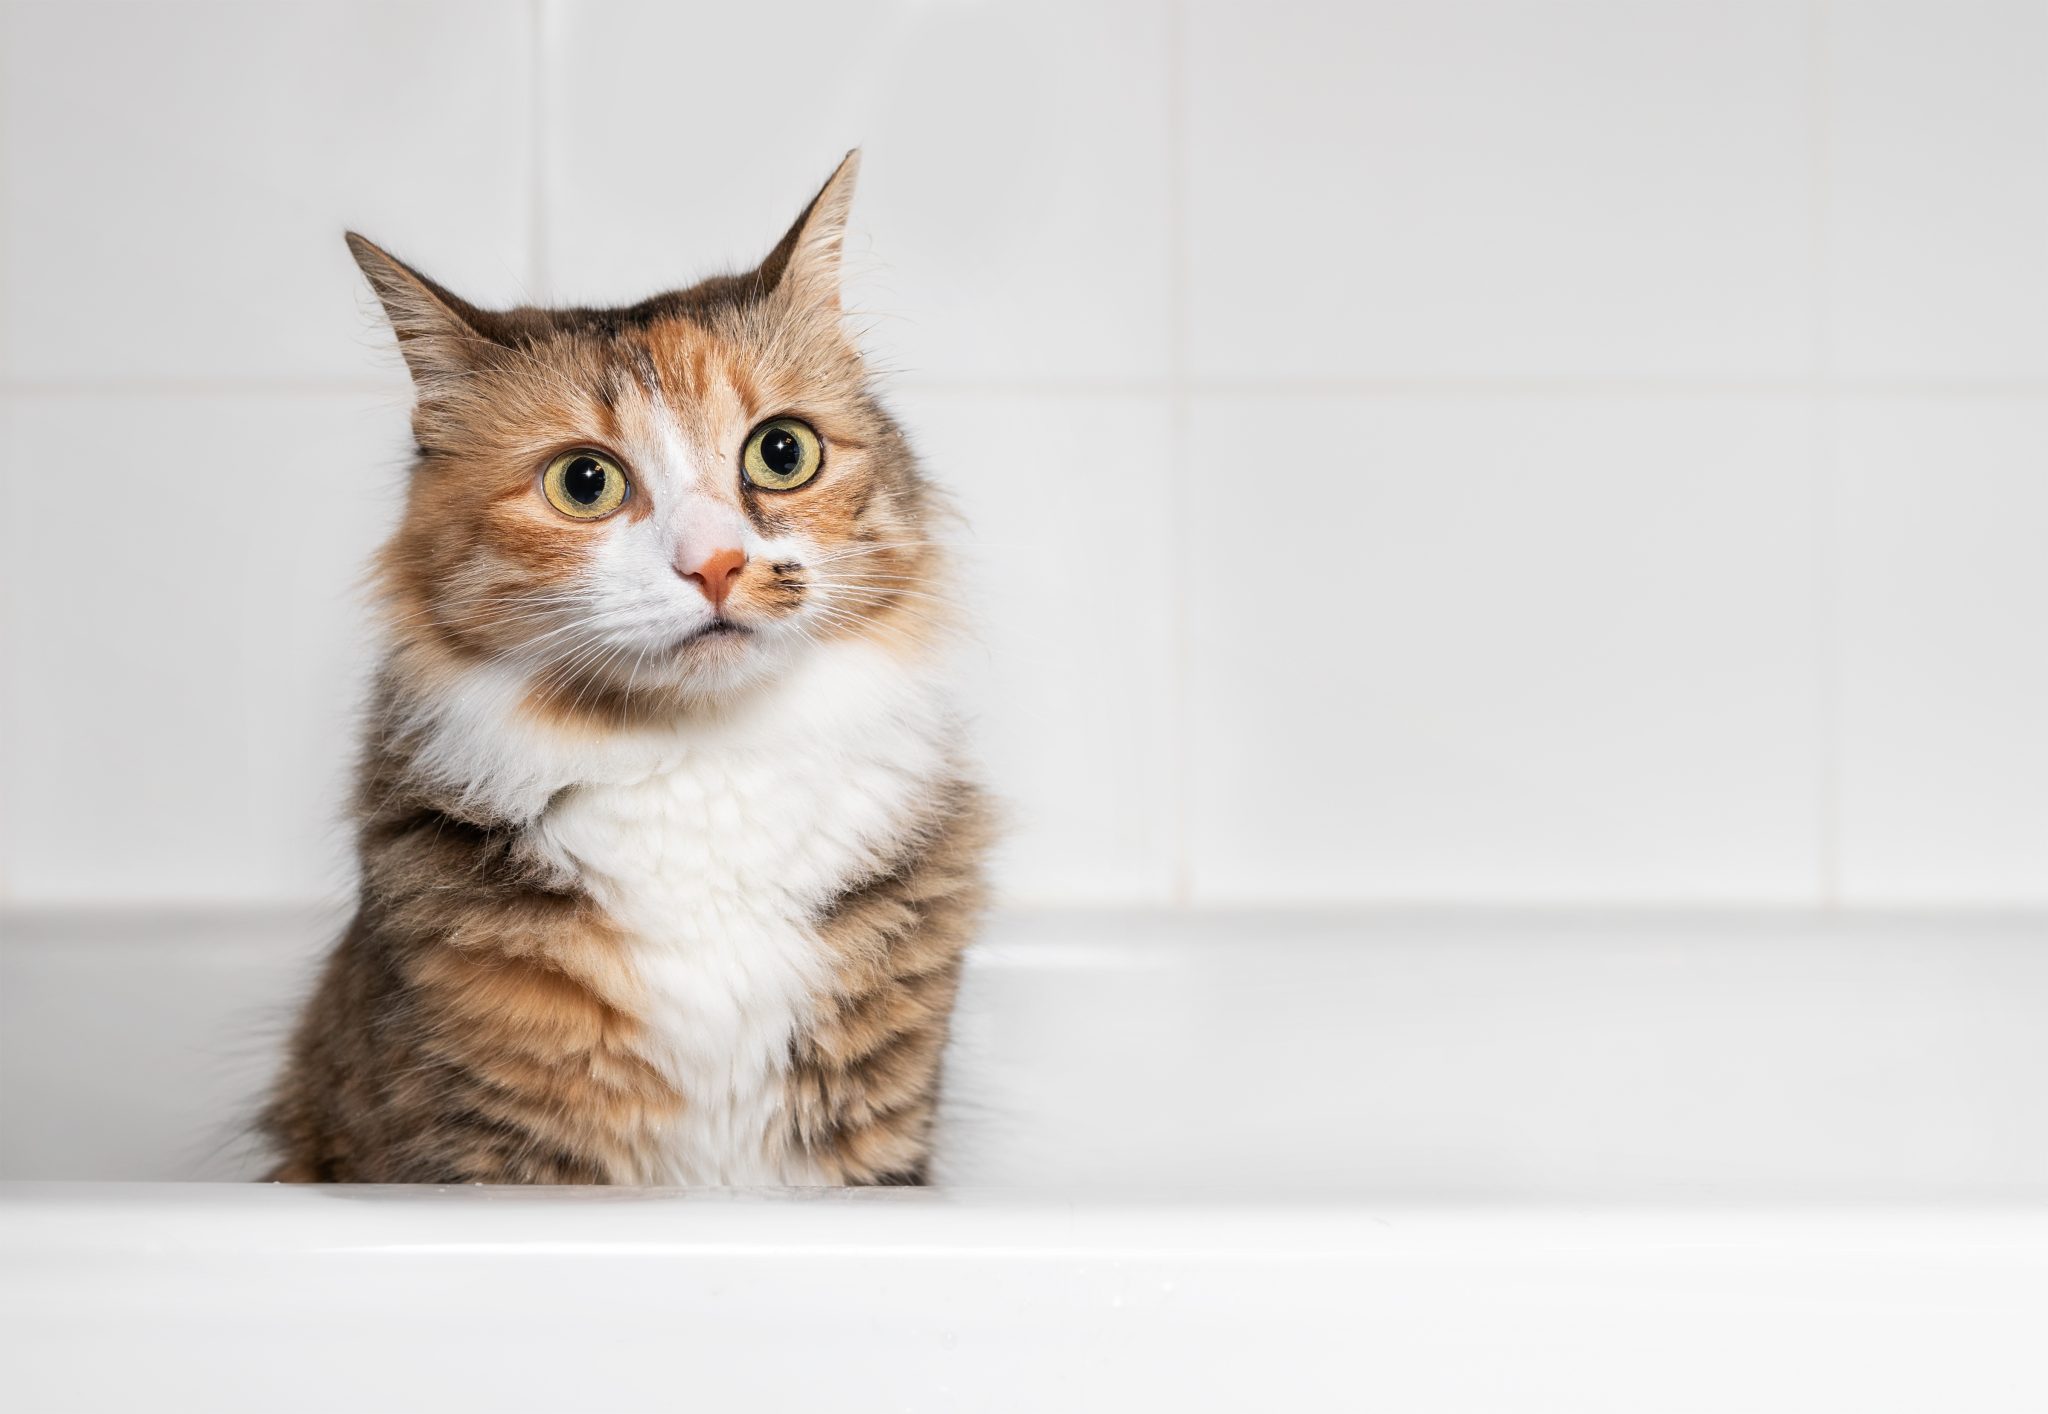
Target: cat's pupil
(782, 453)
(584, 481)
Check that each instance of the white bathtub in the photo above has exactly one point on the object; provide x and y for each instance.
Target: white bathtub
(1404, 1163)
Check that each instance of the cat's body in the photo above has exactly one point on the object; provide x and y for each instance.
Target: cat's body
(694, 922)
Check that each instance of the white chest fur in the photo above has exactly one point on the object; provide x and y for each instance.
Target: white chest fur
(717, 852)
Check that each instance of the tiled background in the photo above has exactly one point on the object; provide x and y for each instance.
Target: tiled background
(1439, 451)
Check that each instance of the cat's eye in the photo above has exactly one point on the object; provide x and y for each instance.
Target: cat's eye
(782, 454)
(586, 485)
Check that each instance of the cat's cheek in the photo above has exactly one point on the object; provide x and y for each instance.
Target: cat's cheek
(550, 549)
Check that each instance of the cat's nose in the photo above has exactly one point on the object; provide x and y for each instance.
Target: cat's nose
(715, 573)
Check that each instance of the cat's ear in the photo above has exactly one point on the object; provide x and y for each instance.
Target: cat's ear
(437, 332)
(804, 266)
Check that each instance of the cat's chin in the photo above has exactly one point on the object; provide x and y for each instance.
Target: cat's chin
(717, 657)
(720, 660)
(717, 633)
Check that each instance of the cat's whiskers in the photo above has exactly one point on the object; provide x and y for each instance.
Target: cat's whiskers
(869, 575)
(871, 547)
(839, 617)
(528, 647)
(551, 661)
(488, 613)
(886, 589)
(597, 671)
(877, 611)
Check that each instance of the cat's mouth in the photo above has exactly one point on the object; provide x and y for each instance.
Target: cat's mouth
(715, 630)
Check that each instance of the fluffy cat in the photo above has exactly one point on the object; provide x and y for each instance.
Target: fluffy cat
(668, 854)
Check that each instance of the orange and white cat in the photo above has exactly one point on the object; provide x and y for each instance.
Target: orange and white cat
(668, 852)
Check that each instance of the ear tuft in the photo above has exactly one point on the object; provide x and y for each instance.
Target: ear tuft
(437, 332)
(804, 266)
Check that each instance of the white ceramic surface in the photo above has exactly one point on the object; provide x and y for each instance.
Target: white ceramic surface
(221, 1300)
(1480, 1057)
(1305, 1162)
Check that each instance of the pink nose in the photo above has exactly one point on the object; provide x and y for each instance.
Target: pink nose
(716, 574)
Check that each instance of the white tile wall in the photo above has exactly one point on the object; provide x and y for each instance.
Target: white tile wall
(1493, 187)
(182, 667)
(1938, 211)
(1504, 648)
(1013, 213)
(177, 177)
(1944, 649)
(1466, 452)
(1071, 678)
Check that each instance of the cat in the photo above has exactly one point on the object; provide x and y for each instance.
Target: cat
(669, 851)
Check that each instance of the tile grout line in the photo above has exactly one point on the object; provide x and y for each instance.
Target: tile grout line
(339, 386)
(7, 23)
(1181, 771)
(1824, 477)
(538, 260)
(1477, 386)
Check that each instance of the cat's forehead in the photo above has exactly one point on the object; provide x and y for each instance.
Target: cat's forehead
(677, 378)
(701, 375)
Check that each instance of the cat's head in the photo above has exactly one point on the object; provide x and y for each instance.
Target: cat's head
(631, 510)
